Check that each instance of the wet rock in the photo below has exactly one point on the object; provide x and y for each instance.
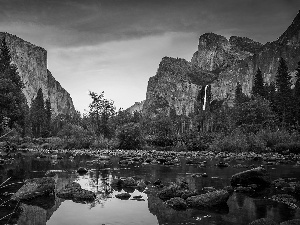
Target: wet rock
(117, 183)
(171, 191)
(50, 173)
(129, 182)
(222, 164)
(123, 196)
(157, 182)
(74, 192)
(177, 203)
(82, 170)
(263, 221)
(141, 185)
(208, 200)
(286, 199)
(188, 193)
(291, 222)
(256, 176)
(35, 187)
(137, 197)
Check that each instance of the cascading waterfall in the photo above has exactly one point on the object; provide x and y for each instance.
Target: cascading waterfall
(204, 104)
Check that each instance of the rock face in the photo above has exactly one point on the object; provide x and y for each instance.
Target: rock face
(175, 87)
(221, 63)
(31, 62)
(35, 187)
(137, 107)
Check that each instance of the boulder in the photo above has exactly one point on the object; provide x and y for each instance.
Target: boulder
(129, 182)
(256, 176)
(263, 221)
(74, 192)
(291, 222)
(123, 196)
(82, 170)
(208, 200)
(35, 187)
(171, 191)
(177, 203)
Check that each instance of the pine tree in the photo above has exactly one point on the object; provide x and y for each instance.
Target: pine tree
(38, 114)
(240, 97)
(258, 84)
(283, 94)
(12, 100)
(297, 96)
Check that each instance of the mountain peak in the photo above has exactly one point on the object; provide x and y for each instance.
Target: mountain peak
(292, 34)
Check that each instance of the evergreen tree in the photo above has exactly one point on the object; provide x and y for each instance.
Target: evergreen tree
(258, 84)
(38, 114)
(12, 100)
(240, 97)
(297, 96)
(283, 94)
(47, 122)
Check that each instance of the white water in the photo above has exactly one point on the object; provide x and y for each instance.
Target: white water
(204, 104)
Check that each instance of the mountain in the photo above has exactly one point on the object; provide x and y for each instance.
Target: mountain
(31, 62)
(219, 64)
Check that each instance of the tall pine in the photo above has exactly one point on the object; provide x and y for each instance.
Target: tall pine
(297, 96)
(258, 84)
(12, 100)
(38, 114)
(284, 94)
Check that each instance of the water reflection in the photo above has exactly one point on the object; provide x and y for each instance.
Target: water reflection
(107, 209)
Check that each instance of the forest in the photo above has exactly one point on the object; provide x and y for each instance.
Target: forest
(268, 120)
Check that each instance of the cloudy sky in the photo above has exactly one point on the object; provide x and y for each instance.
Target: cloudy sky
(116, 45)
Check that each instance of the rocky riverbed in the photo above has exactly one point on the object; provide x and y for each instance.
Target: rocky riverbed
(185, 184)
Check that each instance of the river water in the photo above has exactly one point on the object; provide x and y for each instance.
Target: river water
(149, 210)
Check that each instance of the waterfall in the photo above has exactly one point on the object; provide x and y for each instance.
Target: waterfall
(204, 104)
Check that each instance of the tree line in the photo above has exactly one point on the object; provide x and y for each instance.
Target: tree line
(270, 107)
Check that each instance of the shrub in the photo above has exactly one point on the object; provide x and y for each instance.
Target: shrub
(129, 136)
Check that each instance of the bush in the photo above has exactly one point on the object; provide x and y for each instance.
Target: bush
(234, 142)
(104, 143)
(129, 136)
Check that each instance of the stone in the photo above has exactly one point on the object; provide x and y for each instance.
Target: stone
(129, 182)
(82, 170)
(291, 222)
(208, 200)
(123, 196)
(263, 221)
(256, 176)
(171, 191)
(177, 203)
(35, 187)
(74, 192)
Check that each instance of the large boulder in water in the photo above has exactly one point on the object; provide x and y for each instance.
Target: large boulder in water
(263, 221)
(177, 203)
(171, 191)
(258, 176)
(291, 222)
(74, 192)
(208, 200)
(35, 187)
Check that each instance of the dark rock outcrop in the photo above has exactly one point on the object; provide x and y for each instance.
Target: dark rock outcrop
(256, 176)
(209, 200)
(31, 62)
(177, 203)
(35, 187)
(74, 192)
(263, 221)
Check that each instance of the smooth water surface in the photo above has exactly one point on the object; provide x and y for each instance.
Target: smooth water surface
(150, 210)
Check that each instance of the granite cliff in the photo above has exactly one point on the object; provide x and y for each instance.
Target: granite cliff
(221, 64)
(31, 62)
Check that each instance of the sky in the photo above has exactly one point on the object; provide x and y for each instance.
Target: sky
(115, 46)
